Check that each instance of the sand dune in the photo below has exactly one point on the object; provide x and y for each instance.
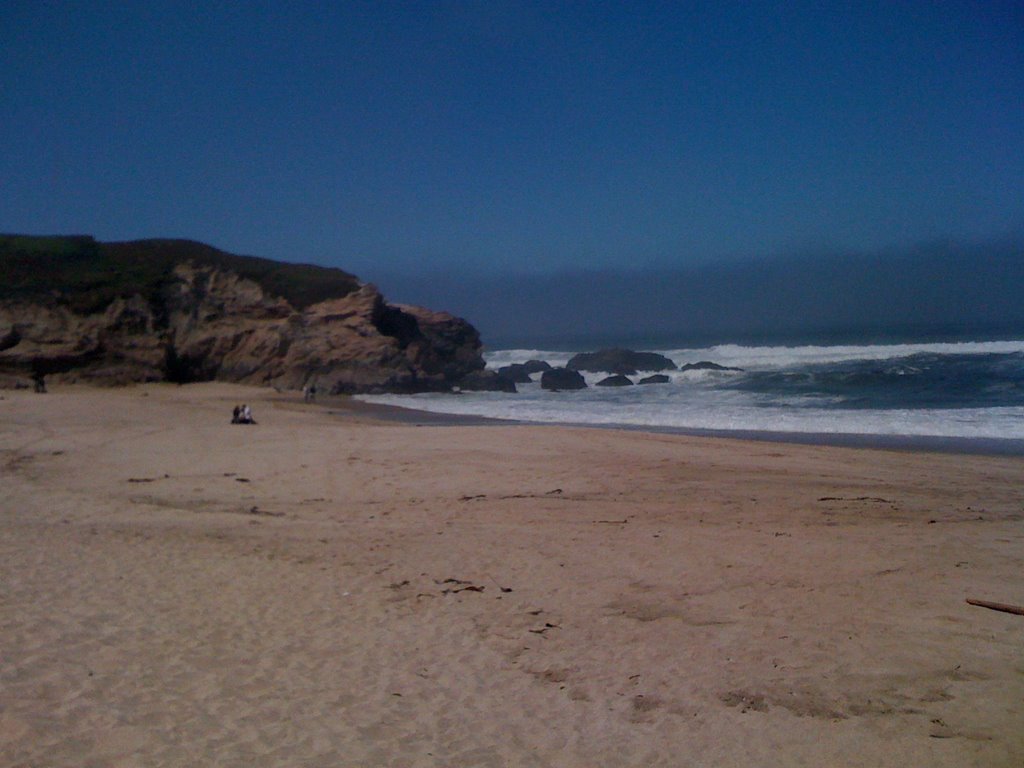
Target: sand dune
(327, 589)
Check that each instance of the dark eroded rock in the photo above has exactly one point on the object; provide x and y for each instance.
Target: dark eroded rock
(562, 378)
(658, 378)
(485, 381)
(536, 366)
(515, 373)
(615, 381)
(706, 365)
(621, 361)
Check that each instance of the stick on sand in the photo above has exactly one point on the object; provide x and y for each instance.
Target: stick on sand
(1017, 609)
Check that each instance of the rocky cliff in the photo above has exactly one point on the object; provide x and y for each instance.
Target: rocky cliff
(75, 309)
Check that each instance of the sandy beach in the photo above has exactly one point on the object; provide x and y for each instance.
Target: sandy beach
(327, 588)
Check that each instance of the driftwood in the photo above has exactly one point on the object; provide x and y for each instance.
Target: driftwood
(1017, 609)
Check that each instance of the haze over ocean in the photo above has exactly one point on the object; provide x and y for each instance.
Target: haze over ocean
(940, 291)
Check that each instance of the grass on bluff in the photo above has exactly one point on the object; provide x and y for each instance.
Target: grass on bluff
(87, 275)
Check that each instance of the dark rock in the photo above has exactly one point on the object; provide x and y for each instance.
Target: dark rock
(537, 366)
(515, 373)
(658, 378)
(705, 365)
(620, 361)
(520, 373)
(485, 381)
(615, 381)
(562, 378)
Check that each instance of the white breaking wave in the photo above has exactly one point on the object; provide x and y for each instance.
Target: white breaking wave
(499, 357)
(571, 408)
(761, 358)
(768, 358)
(708, 399)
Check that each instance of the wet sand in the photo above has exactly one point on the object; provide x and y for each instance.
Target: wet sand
(328, 588)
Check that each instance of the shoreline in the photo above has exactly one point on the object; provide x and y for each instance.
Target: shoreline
(346, 406)
(968, 446)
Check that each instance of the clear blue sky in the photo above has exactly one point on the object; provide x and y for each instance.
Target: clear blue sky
(497, 137)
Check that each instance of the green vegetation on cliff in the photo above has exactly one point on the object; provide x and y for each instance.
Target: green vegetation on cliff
(86, 275)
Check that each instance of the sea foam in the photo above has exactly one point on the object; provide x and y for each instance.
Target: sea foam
(971, 389)
(750, 357)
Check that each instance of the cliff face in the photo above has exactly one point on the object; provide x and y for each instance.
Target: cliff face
(191, 313)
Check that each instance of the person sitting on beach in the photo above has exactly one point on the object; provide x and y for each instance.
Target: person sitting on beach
(247, 415)
(236, 415)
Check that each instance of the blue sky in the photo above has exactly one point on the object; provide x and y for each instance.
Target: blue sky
(499, 138)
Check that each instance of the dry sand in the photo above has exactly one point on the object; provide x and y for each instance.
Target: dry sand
(324, 589)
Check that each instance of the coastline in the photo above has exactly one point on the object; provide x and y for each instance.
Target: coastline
(329, 586)
(971, 446)
(826, 392)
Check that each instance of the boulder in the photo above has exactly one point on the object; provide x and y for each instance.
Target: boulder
(621, 361)
(706, 365)
(615, 381)
(562, 378)
(658, 378)
(515, 373)
(485, 381)
(520, 373)
(536, 366)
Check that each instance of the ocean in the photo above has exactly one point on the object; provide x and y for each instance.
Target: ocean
(961, 390)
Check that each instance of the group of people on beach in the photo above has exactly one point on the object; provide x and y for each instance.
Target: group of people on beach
(242, 414)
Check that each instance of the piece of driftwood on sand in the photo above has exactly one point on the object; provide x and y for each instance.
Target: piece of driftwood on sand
(1005, 608)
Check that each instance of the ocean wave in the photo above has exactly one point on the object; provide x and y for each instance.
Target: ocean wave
(922, 380)
(499, 357)
(954, 389)
(789, 356)
(805, 417)
(767, 357)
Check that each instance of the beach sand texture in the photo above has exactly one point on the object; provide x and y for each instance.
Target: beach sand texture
(326, 589)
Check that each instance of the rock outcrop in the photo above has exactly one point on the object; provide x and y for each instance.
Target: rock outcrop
(658, 378)
(520, 373)
(706, 365)
(486, 381)
(118, 313)
(618, 380)
(536, 366)
(562, 378)
(620, 361)
(515, 373)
